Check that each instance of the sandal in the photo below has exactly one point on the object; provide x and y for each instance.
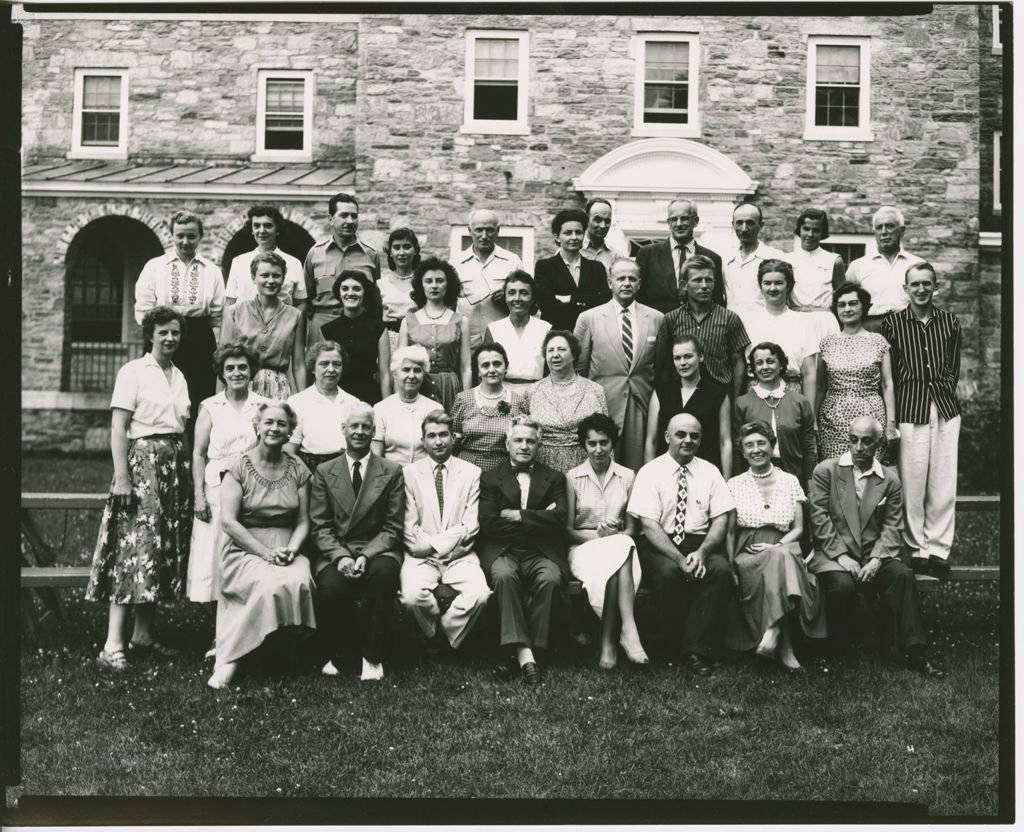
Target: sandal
(114, 660)
(153, 647)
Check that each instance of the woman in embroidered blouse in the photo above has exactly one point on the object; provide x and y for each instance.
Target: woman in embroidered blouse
(561, 400)
(788, 413)
(366, 348)
(762, 543)
(403, 255)
(142, 547)
(275, 331)
(398, 419)
(265, 584)
(695, 393)
(602, 550)
(521, 333)
(482, 416)
(224, 431)
(439, 328)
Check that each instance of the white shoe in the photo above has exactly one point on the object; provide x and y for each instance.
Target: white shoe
(372, 671)
(329, 670)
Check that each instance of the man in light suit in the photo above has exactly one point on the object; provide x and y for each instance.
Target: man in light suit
(661, 283)
(617, 342)
(522, 549)
(442, 497)
(568, 283)
(357, 508)
(856, 518)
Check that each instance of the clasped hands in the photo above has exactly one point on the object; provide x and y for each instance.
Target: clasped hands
(279, 556)
(862, 574)
(693, 565)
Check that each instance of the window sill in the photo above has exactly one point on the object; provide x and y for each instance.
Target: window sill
(682, 131)
(101, 153)
(281, 156)
(496, 128)
(824, 134)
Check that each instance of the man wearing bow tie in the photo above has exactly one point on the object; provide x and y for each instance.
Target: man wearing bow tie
(522, 544)
(856, 519)
(442, 497)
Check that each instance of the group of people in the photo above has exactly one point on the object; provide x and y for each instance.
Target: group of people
(716, 426)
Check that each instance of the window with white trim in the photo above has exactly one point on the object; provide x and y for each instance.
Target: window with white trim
(517, 239)
(997, 29)
(848, 246)
(497, 82)
(284, 115)
(99, 123)
(997, 171)
(838, 89)
(665, 88)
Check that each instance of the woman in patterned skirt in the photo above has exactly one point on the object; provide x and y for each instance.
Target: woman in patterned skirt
(440, 329)
(482, 416)
(224, 431)
(142, 547)
(274, 330)
(854, 377)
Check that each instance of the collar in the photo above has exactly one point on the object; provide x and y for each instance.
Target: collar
(569, 265)
(591, 474)
(756, 253)
(526, 470)
(778, 393)
(148, 360)
(173, 255)
(899, 254)
(351, 460)
(365, 249)
(587, 243)
(686, 247)
(618, 308)
(846, 460)
(498, 254)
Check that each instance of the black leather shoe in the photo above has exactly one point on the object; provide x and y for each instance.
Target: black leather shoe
(504, 669)
(698, 665)
(938, 568)
(919, 663)
(920, 566)
(531, 674)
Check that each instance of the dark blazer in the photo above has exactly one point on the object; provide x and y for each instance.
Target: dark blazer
(842, 527)
(342, 525)
(542, 527)
(659, 283)
(553, 278)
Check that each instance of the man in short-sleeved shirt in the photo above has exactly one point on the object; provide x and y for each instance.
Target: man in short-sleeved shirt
(682, 503)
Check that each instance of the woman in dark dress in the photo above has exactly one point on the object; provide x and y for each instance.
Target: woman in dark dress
(697, 394)
(360, 331)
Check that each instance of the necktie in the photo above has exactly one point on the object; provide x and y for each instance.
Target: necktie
(439, 485)
(680, 281)
(679, 524)
(627, 336)
(357, 478)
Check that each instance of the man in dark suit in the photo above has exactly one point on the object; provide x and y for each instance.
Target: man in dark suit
(357, 508)
(856, 517)
(567, 282)
(661, 263)
(522, 544)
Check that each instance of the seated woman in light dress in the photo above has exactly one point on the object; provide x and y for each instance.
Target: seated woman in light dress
(764, 550)
(602, 551)
(265, 584)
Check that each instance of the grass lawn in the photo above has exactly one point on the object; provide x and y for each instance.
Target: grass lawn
(854, 729)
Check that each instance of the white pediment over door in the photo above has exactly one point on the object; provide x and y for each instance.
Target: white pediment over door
(639, 179)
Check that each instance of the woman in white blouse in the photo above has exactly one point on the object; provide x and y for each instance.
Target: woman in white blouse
(817, 273)
(142, 548)
(398, 428)
(521, 333)
(224, 431)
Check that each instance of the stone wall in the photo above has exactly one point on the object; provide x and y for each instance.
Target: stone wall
(65, 431)
(193, 83)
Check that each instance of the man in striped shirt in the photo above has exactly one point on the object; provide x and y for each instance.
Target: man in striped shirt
(925, 353)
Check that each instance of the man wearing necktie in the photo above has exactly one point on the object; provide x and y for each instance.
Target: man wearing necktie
(442, 497)
(357, 507)
(856, 519)
(683, 505)
(522, 545)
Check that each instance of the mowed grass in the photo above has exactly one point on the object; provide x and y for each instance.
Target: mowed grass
(852, 729)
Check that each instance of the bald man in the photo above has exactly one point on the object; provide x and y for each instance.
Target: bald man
(741, 265)
(482, 269)
(856, 518)
(683, 503)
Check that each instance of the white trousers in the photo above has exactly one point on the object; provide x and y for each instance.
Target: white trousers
(420, 577)
(927, 463)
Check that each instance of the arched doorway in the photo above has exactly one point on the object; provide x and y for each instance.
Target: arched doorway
(100, 334)
(292, 239)
(640, 178)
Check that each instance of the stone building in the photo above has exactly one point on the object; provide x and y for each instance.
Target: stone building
(129, 117)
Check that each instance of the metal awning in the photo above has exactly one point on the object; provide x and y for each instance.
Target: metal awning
(85, 178)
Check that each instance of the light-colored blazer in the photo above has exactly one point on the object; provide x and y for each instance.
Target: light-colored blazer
(425, 525)
(842, 527)
(603, 360)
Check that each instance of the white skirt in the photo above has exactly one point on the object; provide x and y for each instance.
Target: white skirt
(594, 562)
(204, 552)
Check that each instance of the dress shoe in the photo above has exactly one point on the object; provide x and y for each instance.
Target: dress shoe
(920, 566)
(938, 568)
(329, 670)
(919, 663)
(505, 668)
(530, 673)
(699, 665)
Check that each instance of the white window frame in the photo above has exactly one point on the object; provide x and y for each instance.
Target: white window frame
(997, 196)
(519, 127)
(523, 232)
(997, 44)
(91, 151)
(262, 154)
(860, 133)
(866, 240)
(692, 127)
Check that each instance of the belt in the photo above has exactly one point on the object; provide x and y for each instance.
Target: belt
(160, 436)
